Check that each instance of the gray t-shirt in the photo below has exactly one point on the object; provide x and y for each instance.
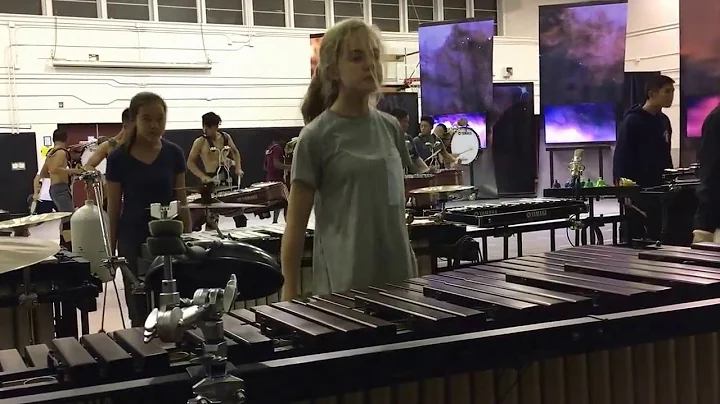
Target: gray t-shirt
(356, 167)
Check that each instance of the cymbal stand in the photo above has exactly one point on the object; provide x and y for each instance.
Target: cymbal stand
(442, 199)
(29, 301)
(112, 262)
(175, 316)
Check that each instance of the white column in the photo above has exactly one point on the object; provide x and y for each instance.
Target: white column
(329, 13)
(200, 6)
(289, 14)
(248, 12)
(154, 11)
(439, 12)
(403, 15)
(367, 8)
(47, 7)
(470, 8)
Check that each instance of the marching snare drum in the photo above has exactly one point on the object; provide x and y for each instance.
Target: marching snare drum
(415, 181)
(466, 144)
(448, 176)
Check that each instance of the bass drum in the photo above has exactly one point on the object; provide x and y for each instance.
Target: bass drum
(209, 264)
(85, 158)
(466, 144)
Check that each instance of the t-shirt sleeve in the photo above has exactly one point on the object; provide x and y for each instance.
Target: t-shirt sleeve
(114, 167)
(307, 159)
(401, 146)
(179, 165)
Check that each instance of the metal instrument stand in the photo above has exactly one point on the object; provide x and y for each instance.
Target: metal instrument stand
(112, 262)
(205, 310)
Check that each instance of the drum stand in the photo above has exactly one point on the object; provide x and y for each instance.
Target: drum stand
(205, 310)
(112, 262)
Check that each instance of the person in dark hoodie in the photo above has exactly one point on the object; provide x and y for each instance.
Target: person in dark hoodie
(707, 218)
(642, 153)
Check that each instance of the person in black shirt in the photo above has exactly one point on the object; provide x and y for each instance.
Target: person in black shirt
(707, 218)
(642, 153)
(146, 169)
(429, 147)
(404, 119)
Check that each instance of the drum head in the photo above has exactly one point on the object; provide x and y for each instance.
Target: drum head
(258, 273)
(466, 144)
(85, 157)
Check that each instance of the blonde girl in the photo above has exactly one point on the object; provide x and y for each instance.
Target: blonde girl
(349, 164)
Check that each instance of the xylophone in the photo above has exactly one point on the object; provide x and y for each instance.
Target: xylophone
(591, 324)
(515, 212)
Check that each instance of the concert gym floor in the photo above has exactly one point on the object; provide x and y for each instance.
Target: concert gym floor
(533, 243)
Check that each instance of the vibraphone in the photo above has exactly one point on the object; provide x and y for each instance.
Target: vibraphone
(585, 325)
(515, 212)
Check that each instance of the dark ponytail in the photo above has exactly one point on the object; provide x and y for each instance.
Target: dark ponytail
(131, 137)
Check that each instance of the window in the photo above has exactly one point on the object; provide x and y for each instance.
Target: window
(269, 13)
(419, 11)
(177, 10)
(309, 13)
(33, 7)
(129, 9)
(345, 9)
(224, 12)
(454, 10)
(75, 8)
(486, 10)
(386, 14)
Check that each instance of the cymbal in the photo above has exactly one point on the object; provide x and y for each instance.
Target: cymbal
(442, 189)
(17, 253)
(222, 205)
(33, 220)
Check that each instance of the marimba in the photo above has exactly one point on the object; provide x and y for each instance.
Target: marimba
(585, 325)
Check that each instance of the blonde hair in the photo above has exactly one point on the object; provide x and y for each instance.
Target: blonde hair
(323, 91)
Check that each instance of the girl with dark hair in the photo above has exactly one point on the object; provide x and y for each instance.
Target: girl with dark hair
(147, 169)
(348, 163)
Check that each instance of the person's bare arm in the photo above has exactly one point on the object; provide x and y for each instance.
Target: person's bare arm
(37, 184)
(44, 172)
(235, 153)
(278, 164)
(300, 205)
(192, 161)
(100, 154)
(57, 164)
(181, 197)
(113, 192)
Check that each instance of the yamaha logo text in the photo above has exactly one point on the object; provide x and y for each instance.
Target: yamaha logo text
(536, 213)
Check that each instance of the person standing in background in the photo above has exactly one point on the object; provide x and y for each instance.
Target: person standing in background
(642, 153)
(57, 168)
(147, 169)
(210, 149)
(41, 196)
(275, 168)
(105, 148)
(348, 164)
(403, 118)
(707, 217)
(430, 147)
